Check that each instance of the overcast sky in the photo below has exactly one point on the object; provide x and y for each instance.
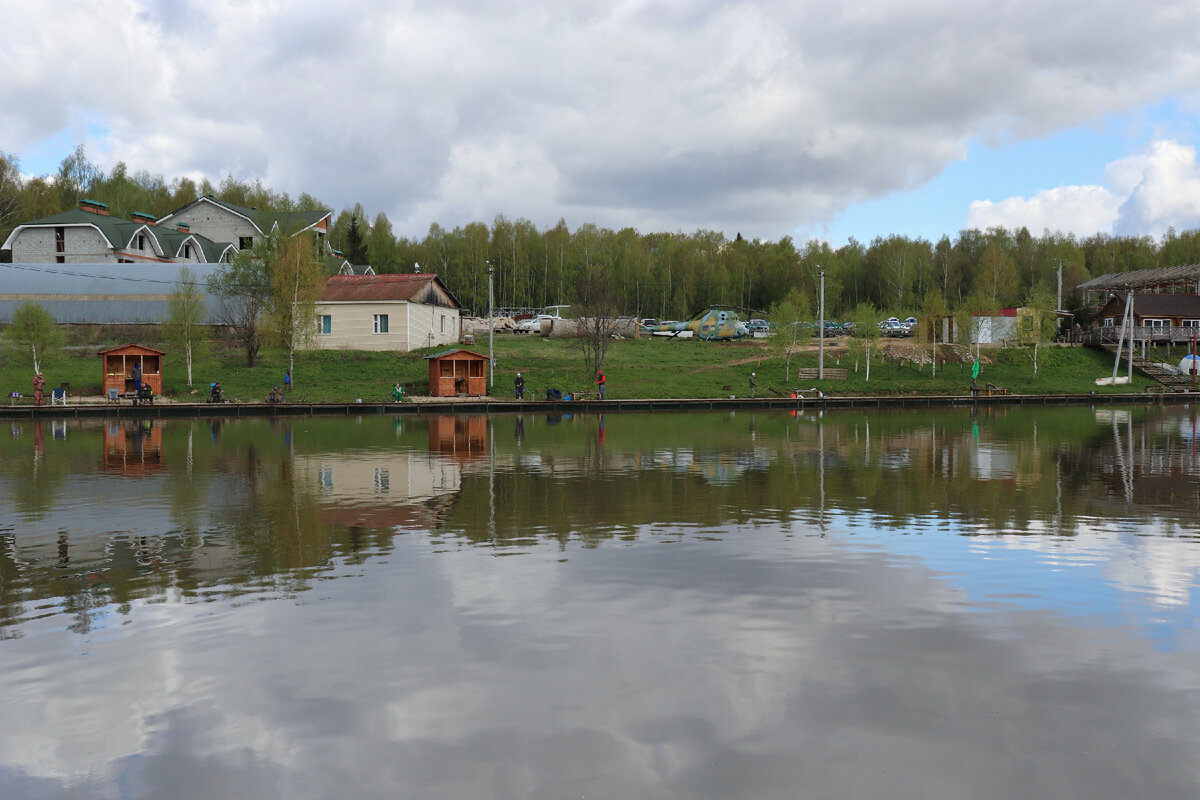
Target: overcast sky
(809, 119)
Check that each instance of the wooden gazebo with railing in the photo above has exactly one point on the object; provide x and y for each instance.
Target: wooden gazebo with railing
(117, 368)
(457, 373)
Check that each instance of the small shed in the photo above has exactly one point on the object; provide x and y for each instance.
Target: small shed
(458, 372)
(119, 362)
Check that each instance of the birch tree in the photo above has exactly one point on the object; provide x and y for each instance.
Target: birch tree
(33, 328)
(187, 317)
(296, 282)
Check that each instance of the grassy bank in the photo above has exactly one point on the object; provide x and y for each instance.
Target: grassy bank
(646, 368)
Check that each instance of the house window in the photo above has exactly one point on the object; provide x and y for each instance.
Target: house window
(324, 325)
(60, 240)
(443, 323)
(1191, 323)
(245, 242)
(141, 241)
(1157, 323)
(187, 251)
(380, 324)
(1109, 322)
(60, 260)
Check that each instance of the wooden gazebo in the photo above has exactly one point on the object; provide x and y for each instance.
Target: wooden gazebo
(457, 372)
(118, 363)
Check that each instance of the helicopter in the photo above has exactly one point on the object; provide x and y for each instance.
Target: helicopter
(711, 324)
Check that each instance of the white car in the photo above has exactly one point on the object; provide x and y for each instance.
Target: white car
(531, 325)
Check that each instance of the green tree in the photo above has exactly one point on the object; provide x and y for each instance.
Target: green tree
(75, 177)
(866, 332)
(33, 328)
(297, 278)
(997, 278)
(187, 317)
(11, 186)
(790, 317)
(1038, 322)
(596, 301)
(356, 246)
(243, 291)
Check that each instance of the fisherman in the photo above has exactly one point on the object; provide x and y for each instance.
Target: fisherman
(287, 381)
(753, 385)
(397, 392)
(39, 384)
(974, 388)
(519, 383)
(600, 381)
(137, 377)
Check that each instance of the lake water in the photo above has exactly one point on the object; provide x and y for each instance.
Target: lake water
(744, 605)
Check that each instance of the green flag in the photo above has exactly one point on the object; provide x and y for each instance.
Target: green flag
(975, 370)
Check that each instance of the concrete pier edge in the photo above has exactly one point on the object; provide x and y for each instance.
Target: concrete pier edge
(493, 406)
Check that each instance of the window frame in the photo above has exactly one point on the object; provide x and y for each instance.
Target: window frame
(379, 324)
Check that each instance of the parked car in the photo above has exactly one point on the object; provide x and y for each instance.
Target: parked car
(759, 328)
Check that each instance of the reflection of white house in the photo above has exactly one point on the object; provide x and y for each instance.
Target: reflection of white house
(386, 312)
(401, 489)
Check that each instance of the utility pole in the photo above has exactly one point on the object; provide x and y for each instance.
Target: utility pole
(821, 327)
(1058, 307)
(491, 332)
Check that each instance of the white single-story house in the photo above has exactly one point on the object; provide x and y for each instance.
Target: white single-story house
(400, 312)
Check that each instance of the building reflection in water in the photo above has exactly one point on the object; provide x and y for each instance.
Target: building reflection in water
(132, 447)
(396, 490)
(461, 436)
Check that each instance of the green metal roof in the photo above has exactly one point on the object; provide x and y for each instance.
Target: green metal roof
(119, 232)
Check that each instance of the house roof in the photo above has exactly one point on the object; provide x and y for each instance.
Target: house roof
(1179, 273)
(119, 232)
(289, 222)
(1163, 305)
(360, 288)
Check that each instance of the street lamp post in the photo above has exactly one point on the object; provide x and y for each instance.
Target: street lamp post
(491, 332)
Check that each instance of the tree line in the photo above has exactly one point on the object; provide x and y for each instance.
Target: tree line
(662, 274)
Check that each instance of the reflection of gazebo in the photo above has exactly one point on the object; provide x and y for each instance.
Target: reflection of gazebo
(132, 447)
(458, 435)
(118, 364)
(457, 372)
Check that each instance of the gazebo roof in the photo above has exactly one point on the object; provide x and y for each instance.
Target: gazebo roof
(132, 346)
(456, 350)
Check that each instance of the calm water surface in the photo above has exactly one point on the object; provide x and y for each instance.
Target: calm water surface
(750, 605)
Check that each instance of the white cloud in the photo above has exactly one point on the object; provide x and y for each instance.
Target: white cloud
(1076, 209)
(1167, 192)
(1147, 193)
(761, 116)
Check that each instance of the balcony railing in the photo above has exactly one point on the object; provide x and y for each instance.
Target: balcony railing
(1141, 333)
